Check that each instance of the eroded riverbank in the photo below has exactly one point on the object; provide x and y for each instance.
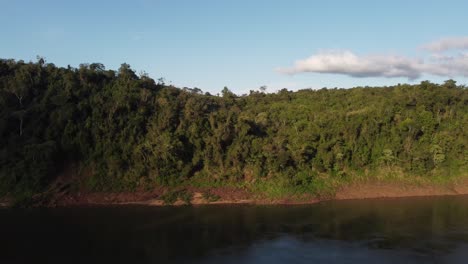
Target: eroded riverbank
(231, 195)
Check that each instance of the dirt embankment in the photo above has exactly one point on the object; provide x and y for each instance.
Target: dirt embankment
(224, 195)
(229, 195)
(394, 190)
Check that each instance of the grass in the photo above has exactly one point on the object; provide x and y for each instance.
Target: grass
(324, 186)
(204, 181)
(23, 200)
(210, 197)
(185, 196)
(319, 186)
(172, 196)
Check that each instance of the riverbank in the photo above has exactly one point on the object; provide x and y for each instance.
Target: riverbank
(237, 195)
(393, 190)
(366, 190)
(232, 195)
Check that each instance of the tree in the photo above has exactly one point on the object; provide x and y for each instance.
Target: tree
(450, 84)
(125, 71)
(226, 93)
(128, 131)
(21, 84)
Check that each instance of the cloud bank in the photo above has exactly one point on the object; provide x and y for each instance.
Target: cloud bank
(445, 44)
(389, 66)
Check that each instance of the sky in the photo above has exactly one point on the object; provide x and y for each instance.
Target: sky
(245, 44)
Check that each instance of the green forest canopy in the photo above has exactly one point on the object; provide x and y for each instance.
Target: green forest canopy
(126, 131)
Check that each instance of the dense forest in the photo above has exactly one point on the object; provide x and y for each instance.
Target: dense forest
(124, 131)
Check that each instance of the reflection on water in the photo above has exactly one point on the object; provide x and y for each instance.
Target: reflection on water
(410, 230)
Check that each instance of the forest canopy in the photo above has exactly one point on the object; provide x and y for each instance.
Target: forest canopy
(126, 131)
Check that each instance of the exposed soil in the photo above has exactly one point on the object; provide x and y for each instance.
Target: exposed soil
(230, 195)
(226, 195)
(5, 202)
(393, 190)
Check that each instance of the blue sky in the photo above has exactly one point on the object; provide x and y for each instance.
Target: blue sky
(245, 44)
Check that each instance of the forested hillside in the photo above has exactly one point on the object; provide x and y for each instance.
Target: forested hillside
(124, 131)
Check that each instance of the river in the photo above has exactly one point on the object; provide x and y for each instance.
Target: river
(404, 230)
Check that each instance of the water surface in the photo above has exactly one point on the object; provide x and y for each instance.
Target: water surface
(408, 230)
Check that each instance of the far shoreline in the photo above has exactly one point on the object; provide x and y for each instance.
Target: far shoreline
(232, 196)
(355, 192)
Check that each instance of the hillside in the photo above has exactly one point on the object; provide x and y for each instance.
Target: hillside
(101, 130)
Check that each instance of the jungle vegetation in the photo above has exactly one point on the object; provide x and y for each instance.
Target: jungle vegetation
(126, 131)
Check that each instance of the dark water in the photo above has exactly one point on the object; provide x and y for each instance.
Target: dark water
(414, 230)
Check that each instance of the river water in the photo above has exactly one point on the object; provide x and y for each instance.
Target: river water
(406, 230)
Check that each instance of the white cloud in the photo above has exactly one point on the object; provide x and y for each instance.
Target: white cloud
(445, 44)
(348, 63)
(388, 66)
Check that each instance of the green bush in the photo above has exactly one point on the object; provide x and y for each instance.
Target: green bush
(171, 196)
(210, 197)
